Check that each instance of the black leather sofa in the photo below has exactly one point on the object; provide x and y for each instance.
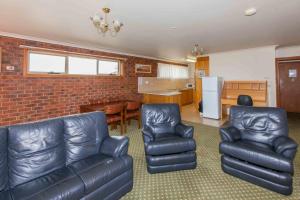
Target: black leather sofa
(64, 158)
(255, 147)
(169, 144)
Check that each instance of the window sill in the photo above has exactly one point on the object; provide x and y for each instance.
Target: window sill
(32, 75)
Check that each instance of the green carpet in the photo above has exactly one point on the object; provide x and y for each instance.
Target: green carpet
(207, 181)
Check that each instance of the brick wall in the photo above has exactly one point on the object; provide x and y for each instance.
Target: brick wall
(25, 99)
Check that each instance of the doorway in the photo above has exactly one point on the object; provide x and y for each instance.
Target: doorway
(288, 84)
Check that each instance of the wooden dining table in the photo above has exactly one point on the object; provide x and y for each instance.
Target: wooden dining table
(100, 106)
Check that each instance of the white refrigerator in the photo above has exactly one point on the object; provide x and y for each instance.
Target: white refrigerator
(211, 97)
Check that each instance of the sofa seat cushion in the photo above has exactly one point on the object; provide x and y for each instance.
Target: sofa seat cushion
(257, 153)
(61, 184)
(170, 145)
(5, 195)
(99, 169)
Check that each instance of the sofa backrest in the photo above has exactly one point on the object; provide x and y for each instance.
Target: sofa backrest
(259, 124)
(35, 149)
(161, 118)
(83, 135)
(3, 159)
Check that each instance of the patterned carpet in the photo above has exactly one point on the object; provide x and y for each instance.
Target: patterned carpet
(207, 181)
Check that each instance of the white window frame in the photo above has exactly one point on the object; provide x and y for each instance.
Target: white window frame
(169, 71)
(104, 59)
(66, 72)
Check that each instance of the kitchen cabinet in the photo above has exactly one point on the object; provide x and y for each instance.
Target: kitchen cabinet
(163, 97)
(186, 96)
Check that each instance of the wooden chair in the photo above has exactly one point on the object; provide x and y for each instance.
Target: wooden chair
(115, 115)
(132, 111)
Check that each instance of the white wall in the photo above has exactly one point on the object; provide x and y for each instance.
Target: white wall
(287, 51)
(192, 72)
(247, 64)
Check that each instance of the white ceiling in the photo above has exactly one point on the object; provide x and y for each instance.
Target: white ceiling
(216, 25)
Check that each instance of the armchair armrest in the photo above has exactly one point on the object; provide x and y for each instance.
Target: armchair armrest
(230, 134)
(147, 134)
(115, 146)
(285, 146)
(184, 130)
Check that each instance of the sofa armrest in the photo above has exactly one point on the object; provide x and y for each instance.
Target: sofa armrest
(147, 134)
(230, 134)
(184, 130)
(285, 146)
(115, 146)
(225, 124)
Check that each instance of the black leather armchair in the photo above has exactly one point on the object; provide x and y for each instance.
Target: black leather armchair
(169, 144)
(66, 158)
(255, 147)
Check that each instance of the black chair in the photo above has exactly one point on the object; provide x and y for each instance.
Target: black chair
(256, 147)
(169, 144)
(244, 100)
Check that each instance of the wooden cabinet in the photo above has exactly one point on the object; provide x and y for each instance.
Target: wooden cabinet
(201, 64)
(258, 90)
(186, 96)
(155, 98)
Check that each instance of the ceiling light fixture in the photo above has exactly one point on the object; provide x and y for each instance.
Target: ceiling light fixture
(197, 51)
(250, 12)
(102, 25)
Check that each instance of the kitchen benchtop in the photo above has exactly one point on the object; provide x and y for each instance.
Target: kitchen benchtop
(165, 92)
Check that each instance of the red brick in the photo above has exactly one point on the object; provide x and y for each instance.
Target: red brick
(25, 99)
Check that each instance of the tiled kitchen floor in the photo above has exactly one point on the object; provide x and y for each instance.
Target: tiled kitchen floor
(190, 114)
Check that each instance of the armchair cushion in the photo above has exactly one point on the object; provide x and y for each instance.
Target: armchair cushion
(184, 130)
(285, 146)
(115, 146)
(230, 134)
(5, 195)
(257, 153)
(170, 145)
(161, 118)
(259, 124)
(147, 134)
(161, 130)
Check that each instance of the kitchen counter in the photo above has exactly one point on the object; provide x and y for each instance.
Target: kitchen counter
(166, 92)
(186, 89)
(163, 93)
(182, 96)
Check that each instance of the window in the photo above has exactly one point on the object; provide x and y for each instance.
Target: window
(56, 63)
(46, 63)
(172, 71)
(84, 66)
(108, 67)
